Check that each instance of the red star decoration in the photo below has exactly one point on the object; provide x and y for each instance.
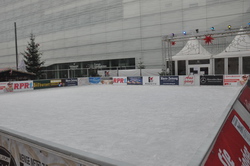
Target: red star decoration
(173, 43)
(208, 39)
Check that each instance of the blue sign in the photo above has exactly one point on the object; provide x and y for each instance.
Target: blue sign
(134, 81)
(71, 82)
(94, 80)
(169, 80)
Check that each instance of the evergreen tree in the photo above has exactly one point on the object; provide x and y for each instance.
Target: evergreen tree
(32, 57)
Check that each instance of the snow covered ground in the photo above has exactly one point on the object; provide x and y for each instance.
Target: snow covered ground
(141, 125)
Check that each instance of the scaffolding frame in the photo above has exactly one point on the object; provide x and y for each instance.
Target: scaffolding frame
(167, 40)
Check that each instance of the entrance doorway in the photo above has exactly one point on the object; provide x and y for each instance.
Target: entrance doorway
(199, 69)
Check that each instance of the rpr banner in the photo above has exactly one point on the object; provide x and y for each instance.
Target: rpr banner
(153, 80)
(169, 80)
(211, 80)
(232, 145)
(235, 80)
(17, 86)
(119, 80)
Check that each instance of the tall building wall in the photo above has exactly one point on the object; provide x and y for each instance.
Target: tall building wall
(87, 30)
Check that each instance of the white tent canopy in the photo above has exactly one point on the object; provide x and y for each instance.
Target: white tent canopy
(191, 51)
(240, 46)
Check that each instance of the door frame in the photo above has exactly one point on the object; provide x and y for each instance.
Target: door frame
(198, 66)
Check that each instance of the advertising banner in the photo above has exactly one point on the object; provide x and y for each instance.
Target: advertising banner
(107, 80)
(94, 80)
(187, 80)
(245, 98)
(232, 146)
(17, 86)
(169, 80)
(83, 81)
(154, 80)
(15, 153)
(71, 82)
(134, 81)
(56, 83)
(119, 80)
(211, 80)
(235, 80)
(38, 84)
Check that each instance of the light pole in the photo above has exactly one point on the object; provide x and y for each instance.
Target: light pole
(16, 46)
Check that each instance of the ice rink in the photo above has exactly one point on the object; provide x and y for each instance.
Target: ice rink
(141, 125)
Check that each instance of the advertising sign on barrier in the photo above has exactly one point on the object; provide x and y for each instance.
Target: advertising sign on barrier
(154, 80)
(119, 80)
(245, 98)
(211, 80)
(83, 81)
(38, 84)
(15, 153)
(232, 146)
(134, 81)
(94, 80)
(16, 86)
(235, 80)
(169, 80)
(107, 80)
(71, 82)
(188, 80)
(56, 83)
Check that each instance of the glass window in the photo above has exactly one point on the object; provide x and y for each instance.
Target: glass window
(246, 65)
(233, 65)
(181, 67)
(171, 68)
(219, 66)
(195, 62)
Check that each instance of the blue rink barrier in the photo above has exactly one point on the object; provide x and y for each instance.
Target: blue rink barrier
(18, 149)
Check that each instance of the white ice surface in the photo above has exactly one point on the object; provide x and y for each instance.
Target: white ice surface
(141, 125)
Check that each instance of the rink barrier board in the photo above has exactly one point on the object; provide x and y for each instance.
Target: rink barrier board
(229, 142)
(188, 80)
(18, 149)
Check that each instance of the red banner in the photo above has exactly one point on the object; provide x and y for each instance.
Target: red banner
(245, 98)
(232, 145)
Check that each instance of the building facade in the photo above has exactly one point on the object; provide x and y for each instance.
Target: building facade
(110, 34)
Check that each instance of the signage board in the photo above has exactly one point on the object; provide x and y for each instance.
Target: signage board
(71, 82)
(83, 81)
(232, 146)
(95, 80)
(16, 86)
(134, 81)
(153, 80)
(169, 80)
(235, 80)
(119, 80)
(211, 80)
